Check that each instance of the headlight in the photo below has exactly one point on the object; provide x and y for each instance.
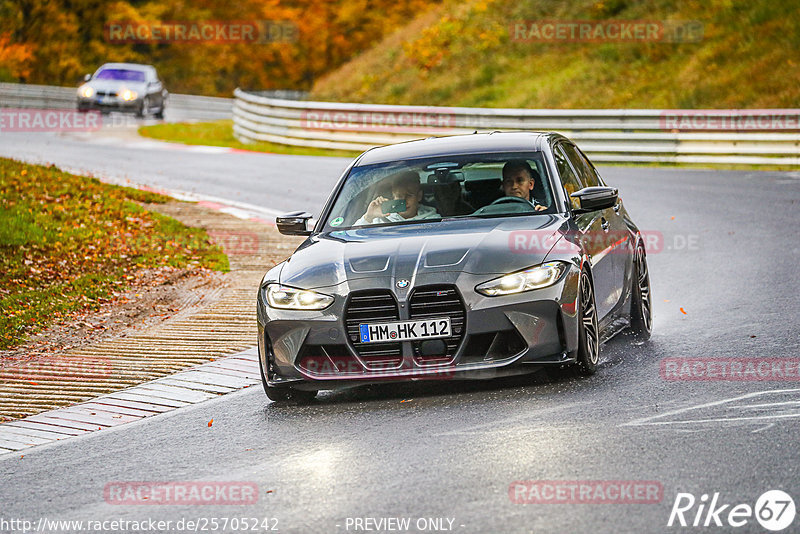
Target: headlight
(86, 91)
(127, 95)
(543, 275)
(290, 298)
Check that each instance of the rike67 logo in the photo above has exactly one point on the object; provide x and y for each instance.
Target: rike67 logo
(774, 510)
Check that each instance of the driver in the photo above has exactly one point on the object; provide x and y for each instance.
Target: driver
(519, 180)
(405, 186)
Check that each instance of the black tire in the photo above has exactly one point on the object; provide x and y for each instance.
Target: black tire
(160, 114)
(641, 301)
(144, 108)
(588, 332)
(285, 394)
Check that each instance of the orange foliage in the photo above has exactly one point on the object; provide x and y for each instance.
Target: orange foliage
(15, 59)
(65, 39)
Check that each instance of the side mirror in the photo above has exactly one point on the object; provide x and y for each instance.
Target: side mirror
(294, 223)
(87, 77)
(595, 198)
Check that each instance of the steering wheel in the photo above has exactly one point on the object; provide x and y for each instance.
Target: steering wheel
(505, 200)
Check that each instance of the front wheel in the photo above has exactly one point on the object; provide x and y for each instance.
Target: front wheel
(144, 108)
(285, 393)
(588, 332)
(641, 303)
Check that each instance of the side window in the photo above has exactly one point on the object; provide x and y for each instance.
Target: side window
(568, 178)
(587, 173)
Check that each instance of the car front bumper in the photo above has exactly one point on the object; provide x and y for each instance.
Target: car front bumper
(109, 104)
(501, 335)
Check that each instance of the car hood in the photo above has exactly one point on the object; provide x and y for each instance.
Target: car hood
(477, 246)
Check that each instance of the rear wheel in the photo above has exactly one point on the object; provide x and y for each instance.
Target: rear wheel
(588, 332)
(641, 303)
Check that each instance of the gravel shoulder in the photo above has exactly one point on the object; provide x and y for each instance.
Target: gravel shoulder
(168, 320)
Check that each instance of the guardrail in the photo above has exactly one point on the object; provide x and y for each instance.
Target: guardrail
(616, 135)
(15, 95)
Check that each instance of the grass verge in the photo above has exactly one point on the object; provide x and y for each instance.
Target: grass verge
(68, 243)
(220, 133)
(484, 53)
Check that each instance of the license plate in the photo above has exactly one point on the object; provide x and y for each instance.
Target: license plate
(108, 100)
(405, 330)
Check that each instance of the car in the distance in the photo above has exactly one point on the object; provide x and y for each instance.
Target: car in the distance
(428, 262)
(125, 87)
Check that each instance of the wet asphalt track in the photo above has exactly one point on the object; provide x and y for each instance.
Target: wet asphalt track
(450, 450)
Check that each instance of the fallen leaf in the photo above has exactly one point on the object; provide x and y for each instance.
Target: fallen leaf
(684, 311)
(22, 456)
(406, 400)
(270, 491)
(34, 383)
(672, 218)
(210, 422)
(752, 336)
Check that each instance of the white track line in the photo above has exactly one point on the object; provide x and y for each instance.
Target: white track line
(654, 420)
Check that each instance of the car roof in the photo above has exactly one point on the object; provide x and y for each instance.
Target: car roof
(459, 144)
(128, 66)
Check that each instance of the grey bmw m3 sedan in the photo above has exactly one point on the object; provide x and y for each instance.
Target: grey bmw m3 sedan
(471, 256)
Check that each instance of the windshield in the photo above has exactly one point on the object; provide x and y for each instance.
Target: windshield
(120, 74)
(424, 190)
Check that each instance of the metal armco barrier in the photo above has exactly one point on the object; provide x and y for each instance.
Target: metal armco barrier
(15, 95)
(608, 135)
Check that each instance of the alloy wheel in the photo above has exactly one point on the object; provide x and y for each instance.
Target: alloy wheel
(589, 320)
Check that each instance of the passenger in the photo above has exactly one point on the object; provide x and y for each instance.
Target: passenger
(519, 179)
(405, 186)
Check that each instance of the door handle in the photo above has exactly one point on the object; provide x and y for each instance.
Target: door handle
(604, 224)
